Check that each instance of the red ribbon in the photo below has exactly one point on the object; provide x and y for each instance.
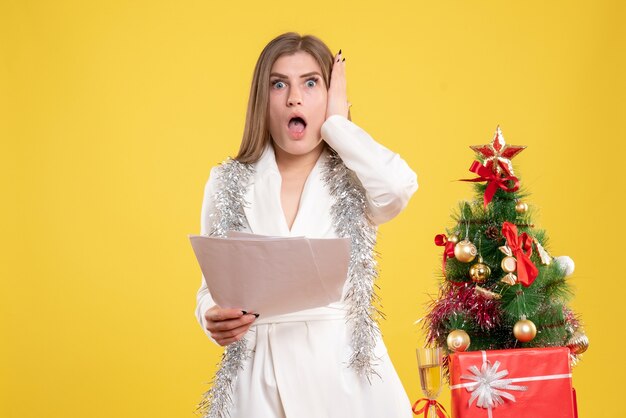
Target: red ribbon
(494, 181)
(522, 248)
(439, 409)
(442, 241)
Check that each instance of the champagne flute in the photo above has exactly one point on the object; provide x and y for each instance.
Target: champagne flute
(429, 362)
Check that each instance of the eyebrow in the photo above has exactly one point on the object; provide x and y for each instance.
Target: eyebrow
(278, 75)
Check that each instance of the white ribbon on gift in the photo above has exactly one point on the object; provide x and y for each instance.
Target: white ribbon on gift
(488, 385)
(488, 388)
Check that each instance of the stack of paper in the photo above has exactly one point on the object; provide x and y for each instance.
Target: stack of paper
(272, 275)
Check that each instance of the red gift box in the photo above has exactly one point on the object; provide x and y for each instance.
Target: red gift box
(525, 382)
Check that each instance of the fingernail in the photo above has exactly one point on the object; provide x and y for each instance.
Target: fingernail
(343, 60)
(340, 52)
(256, 315)
(244, 312)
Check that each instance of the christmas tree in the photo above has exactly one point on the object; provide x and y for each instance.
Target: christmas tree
(500, 289)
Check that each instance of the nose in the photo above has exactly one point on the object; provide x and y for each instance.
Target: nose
(295, 98)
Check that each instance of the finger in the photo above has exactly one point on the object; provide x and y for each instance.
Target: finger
(217, 326)
(340, 65)
(227, 341)
(337, 76)
(233, 333)
(221, 314)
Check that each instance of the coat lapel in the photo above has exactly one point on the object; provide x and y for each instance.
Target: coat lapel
(313, 219)
(264, 211)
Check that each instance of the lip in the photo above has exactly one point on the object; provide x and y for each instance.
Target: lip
(296, 115)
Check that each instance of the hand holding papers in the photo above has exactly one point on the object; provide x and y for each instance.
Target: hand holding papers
(272, 275)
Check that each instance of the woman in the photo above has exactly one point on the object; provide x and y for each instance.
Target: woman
(304, 169)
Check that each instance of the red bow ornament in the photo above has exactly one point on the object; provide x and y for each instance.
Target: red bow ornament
(448, 252)
(494, 181)
(440, 411)
(522, 248)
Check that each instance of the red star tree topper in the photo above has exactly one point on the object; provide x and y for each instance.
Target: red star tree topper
(497, 155)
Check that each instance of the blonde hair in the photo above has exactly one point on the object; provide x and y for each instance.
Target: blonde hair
(256, 133)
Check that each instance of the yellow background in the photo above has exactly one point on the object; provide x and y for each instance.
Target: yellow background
(112, 114)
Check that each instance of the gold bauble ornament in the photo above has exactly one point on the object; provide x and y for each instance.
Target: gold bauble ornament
(458, 340)
(453, 238)
(525, 330)
(578, 343)
(521, 207)
(509, 264)
(480, 271)
(465, 251)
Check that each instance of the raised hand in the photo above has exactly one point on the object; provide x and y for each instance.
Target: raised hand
(337, 92)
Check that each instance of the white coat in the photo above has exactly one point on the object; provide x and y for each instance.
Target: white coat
(298, 368)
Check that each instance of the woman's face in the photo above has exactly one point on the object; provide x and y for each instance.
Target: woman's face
(297, 103)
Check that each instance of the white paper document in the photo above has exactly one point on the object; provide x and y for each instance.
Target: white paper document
(272, 275)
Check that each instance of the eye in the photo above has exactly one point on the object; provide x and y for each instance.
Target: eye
(277, 84)
(311, 82)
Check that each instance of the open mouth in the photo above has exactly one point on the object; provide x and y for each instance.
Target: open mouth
(296, 126)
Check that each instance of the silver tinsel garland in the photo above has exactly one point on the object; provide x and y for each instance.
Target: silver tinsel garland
(350, 220)
(233, 178)
(232, 183)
